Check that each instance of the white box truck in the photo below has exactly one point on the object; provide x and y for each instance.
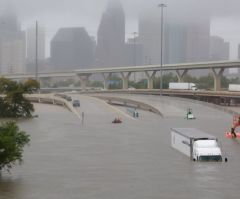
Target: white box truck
(182, 86)
(197, 145)
(234, 87)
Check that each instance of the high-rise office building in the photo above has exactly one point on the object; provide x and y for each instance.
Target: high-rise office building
(236, 71)
(111, 37)
(182, 41)
(12, 45)
(149, 37)
(72, 48)
(219, 49)
(175, 43)
(133, 53)
(31, 47)
(198, 41)
(238, 51)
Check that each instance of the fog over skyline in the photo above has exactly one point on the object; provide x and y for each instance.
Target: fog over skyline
(53, 14)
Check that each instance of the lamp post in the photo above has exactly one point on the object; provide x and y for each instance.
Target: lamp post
(135, 53)
(36, 51)
(162, 5)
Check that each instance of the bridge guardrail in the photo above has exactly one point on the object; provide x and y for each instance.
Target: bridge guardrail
(51, 99)
(130, 103)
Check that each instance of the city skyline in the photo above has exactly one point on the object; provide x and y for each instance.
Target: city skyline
(77, 13)
(223, 25)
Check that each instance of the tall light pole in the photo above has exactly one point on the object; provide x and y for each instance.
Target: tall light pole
(135, 53)
(36, 72)
(162, 5)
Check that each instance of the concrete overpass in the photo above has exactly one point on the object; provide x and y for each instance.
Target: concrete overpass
(217, 69)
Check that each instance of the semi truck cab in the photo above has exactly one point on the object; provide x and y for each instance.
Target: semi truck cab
(196, 144)
(206, 151)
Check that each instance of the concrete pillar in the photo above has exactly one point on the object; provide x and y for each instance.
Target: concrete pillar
(106, 78)
(150, 79)
(84, 80)
(217, 78)
(125, 78)
(181, 75)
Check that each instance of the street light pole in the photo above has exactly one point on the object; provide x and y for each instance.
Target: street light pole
(36, 75)
(135, 53)
(162, 5)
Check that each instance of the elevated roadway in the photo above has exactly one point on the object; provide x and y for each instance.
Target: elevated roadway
(165, 67)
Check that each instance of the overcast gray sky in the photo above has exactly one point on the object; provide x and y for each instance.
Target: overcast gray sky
(53, 14)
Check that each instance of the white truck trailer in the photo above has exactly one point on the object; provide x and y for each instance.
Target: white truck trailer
(182, 86)
(234, 87)
(197, 145)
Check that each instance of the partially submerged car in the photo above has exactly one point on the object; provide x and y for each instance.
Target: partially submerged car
(76, 103)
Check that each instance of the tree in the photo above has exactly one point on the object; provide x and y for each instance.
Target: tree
(96, 84)
(14, 104)
(205, 82)
(115, 82)
(235, 80)
(12, 142)
(167, 78)
(142, 84)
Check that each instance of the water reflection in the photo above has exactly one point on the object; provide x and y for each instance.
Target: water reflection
(104, 161)
(9, 185)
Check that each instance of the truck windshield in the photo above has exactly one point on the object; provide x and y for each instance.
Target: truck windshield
(213, 158)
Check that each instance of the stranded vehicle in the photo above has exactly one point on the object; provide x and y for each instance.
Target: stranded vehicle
(76, 103)
(190, 115)
(197, 145)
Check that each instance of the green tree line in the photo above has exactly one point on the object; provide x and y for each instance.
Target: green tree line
(13, 104)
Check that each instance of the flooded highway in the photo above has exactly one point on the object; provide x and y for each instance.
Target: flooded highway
(71, 158)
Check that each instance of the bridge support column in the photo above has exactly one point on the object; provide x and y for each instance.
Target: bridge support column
(83, 80)
(150, 79)
(217, 78)
(125, 78)
(106, 77)
(181, 74)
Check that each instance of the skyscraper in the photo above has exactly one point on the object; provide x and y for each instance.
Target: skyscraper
(133, 53)
(149, 37)
(198, 40)
(12, 45)
(183, 41)
(111, 36)
(219, 49)
(72, 48)
(236, 71)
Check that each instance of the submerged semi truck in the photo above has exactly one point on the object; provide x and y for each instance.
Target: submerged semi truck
(197, 145)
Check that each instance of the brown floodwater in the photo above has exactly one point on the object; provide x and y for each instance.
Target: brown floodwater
(71, 158)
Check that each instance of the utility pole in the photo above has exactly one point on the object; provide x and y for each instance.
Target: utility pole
(36, 72)
(134, 53)
(161, 51)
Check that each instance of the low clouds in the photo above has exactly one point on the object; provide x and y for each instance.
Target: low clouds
(92, 9)
(54, 14)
